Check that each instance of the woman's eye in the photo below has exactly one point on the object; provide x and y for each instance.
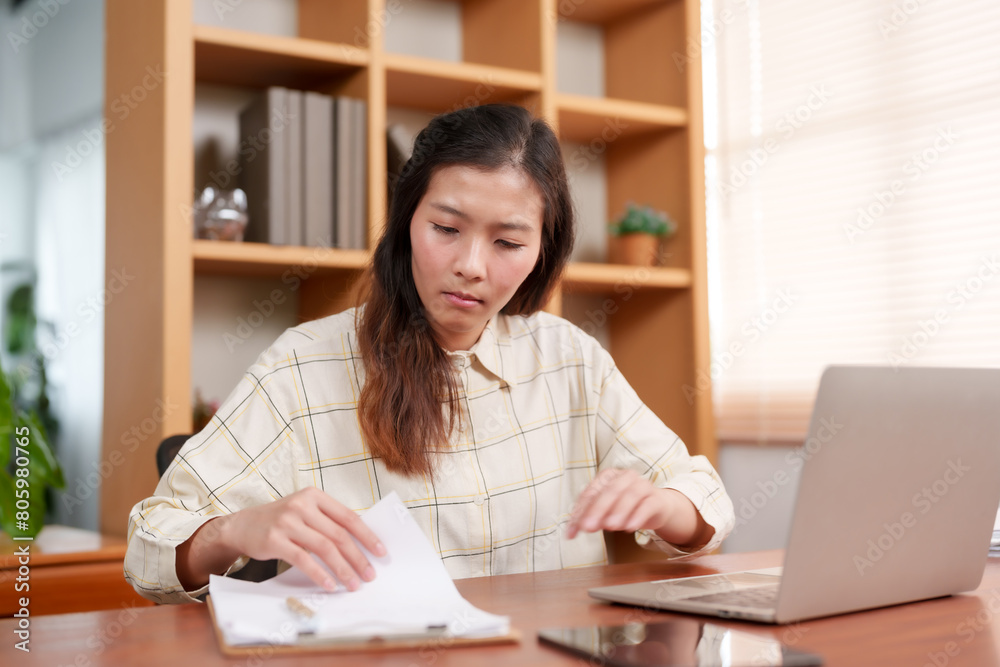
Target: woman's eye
(444, 230)
(508, 245)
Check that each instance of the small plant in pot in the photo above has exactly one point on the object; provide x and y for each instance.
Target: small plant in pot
(636, 235)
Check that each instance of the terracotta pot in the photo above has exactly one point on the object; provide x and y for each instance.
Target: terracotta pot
(636, 249)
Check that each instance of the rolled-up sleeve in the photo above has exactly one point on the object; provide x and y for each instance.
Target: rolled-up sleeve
(631, 436)
(242, 458)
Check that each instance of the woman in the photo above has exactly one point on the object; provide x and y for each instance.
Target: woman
(507, 432)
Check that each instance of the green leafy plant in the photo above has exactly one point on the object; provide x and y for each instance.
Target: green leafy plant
(28, 468)
(642, 219)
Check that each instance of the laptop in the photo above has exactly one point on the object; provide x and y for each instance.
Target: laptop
(896, 500)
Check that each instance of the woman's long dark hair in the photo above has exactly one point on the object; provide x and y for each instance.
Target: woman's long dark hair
(407, 373)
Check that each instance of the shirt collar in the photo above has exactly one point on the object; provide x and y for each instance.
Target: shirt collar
(493, 349)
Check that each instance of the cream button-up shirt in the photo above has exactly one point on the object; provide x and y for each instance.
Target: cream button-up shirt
(544, 409)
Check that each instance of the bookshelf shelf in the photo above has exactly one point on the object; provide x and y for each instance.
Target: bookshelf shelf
(582, 118)
(242, 58)
(602, 11)
(607, 278)
(436, 85)
(261, 259)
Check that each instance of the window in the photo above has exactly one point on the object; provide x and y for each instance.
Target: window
(853, 158)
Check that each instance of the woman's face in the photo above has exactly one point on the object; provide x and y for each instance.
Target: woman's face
(476, 236)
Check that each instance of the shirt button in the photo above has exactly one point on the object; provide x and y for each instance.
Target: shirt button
(479, 500)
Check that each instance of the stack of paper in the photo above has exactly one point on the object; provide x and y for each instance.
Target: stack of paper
(411, 594)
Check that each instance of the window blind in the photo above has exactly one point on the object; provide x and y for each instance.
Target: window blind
(853, 180)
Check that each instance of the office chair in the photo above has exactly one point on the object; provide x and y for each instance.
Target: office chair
(254, 570)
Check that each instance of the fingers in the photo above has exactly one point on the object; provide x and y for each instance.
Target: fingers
(298, 557)
(333, 543)
(305, 524)
(353, 524)
(339, 553)
(615, 500)
(333, 531)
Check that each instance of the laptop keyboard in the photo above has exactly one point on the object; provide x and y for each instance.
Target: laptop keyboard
(759, 597)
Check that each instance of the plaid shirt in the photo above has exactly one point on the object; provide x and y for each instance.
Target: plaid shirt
(544, 409)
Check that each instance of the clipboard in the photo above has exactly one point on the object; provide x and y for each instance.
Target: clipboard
(333, 645)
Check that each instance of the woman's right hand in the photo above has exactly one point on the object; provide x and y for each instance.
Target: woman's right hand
(292, 529)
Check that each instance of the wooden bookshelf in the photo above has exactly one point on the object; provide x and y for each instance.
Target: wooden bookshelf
(583, 118)
(261, 259)
(659, 327)
(602, 278)
(433, 85)
(241, 58)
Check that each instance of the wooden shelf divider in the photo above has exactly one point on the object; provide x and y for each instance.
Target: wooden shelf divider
(582, 118)
(242, 58)
(261, 259)
(438, 85)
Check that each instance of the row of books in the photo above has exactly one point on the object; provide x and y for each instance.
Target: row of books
(303, 166)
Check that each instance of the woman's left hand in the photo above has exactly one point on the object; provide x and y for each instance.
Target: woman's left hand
(624, 500)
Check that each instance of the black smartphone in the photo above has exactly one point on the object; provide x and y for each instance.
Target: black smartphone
(675, 643)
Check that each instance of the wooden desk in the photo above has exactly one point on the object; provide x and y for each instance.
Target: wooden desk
(917, 634)
(70, 570)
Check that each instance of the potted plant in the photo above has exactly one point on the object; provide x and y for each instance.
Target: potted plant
(28, 468)
(636, 235)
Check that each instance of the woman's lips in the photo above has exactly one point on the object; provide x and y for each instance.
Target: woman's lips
(462, 300)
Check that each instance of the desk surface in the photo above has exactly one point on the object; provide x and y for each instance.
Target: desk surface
(63, 544)
(917, 634)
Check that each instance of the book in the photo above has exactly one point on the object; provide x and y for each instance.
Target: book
(343, 113)
(359, 181)
(317, 170)
(263, 134)
(293, 170)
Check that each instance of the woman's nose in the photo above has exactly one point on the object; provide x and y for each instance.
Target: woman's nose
(471, 262)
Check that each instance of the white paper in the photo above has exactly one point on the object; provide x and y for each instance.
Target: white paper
(411, 591)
